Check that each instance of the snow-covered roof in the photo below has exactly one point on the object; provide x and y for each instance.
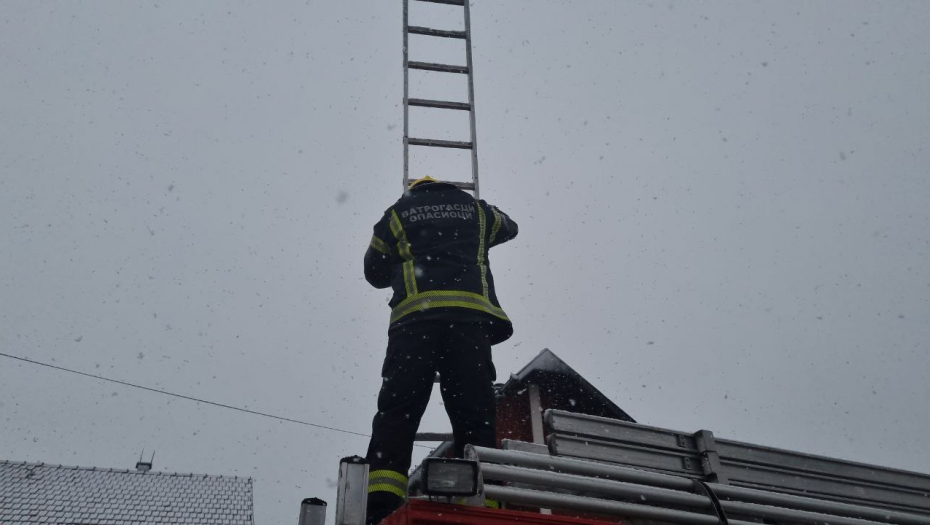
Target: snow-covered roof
(56, 494)
(546, 369)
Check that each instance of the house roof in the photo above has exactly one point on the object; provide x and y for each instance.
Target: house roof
(56, 494)
(546, 369)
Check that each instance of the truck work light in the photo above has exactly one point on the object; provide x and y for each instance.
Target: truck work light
(450, 477)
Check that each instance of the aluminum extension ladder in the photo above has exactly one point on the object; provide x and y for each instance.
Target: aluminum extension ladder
(469, 106)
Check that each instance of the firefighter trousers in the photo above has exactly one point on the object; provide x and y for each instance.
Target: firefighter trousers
(461, 353)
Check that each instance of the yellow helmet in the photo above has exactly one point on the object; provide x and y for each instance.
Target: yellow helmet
(418, 181)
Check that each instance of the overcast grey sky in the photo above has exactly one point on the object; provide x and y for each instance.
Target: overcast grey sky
(724, 212)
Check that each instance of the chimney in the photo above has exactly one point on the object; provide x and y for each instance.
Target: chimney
(144, 466)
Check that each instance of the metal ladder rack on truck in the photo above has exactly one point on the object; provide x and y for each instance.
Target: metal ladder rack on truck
(594, 465)
(596, 471)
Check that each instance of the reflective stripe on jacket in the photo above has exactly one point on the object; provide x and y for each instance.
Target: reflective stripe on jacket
(431, 247)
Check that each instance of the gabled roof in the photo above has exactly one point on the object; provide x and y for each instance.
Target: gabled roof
(56, 494)
(546, 369)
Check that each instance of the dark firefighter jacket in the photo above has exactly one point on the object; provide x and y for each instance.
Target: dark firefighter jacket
(431, 247)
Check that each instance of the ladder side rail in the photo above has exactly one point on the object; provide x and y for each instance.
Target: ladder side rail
(677, 462)
(593, 469)
(619, 481)
(524, 446)
(352, 491)
(574, 424)
(631, 492)
(632, 510)
(533, 448)
(828, 487)
(872, 510)
(406, 97)
(560, 422)
(471, 98)
(749, 454)
(690, 466)
(619, 442)
(447, 2)
(312, 512)
(538, 498)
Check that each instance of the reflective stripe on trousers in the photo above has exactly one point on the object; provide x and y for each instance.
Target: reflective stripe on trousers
(388, 481)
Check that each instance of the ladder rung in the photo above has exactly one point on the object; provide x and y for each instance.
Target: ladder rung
(441, 104)
(417, 30)
(467, 186)
(439, 143)
(470, 186)
(447, 2)
(429, 66)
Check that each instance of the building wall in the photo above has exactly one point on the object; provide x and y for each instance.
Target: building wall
(513, 418)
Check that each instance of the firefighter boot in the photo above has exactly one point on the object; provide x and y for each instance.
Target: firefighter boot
(381, 505)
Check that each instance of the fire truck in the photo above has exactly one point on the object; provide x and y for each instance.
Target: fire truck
(568, 455)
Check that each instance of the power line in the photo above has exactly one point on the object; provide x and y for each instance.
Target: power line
(189, 398)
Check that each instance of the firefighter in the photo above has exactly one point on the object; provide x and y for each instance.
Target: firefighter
(431, 247)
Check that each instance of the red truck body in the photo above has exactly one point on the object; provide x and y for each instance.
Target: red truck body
(418, 512)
